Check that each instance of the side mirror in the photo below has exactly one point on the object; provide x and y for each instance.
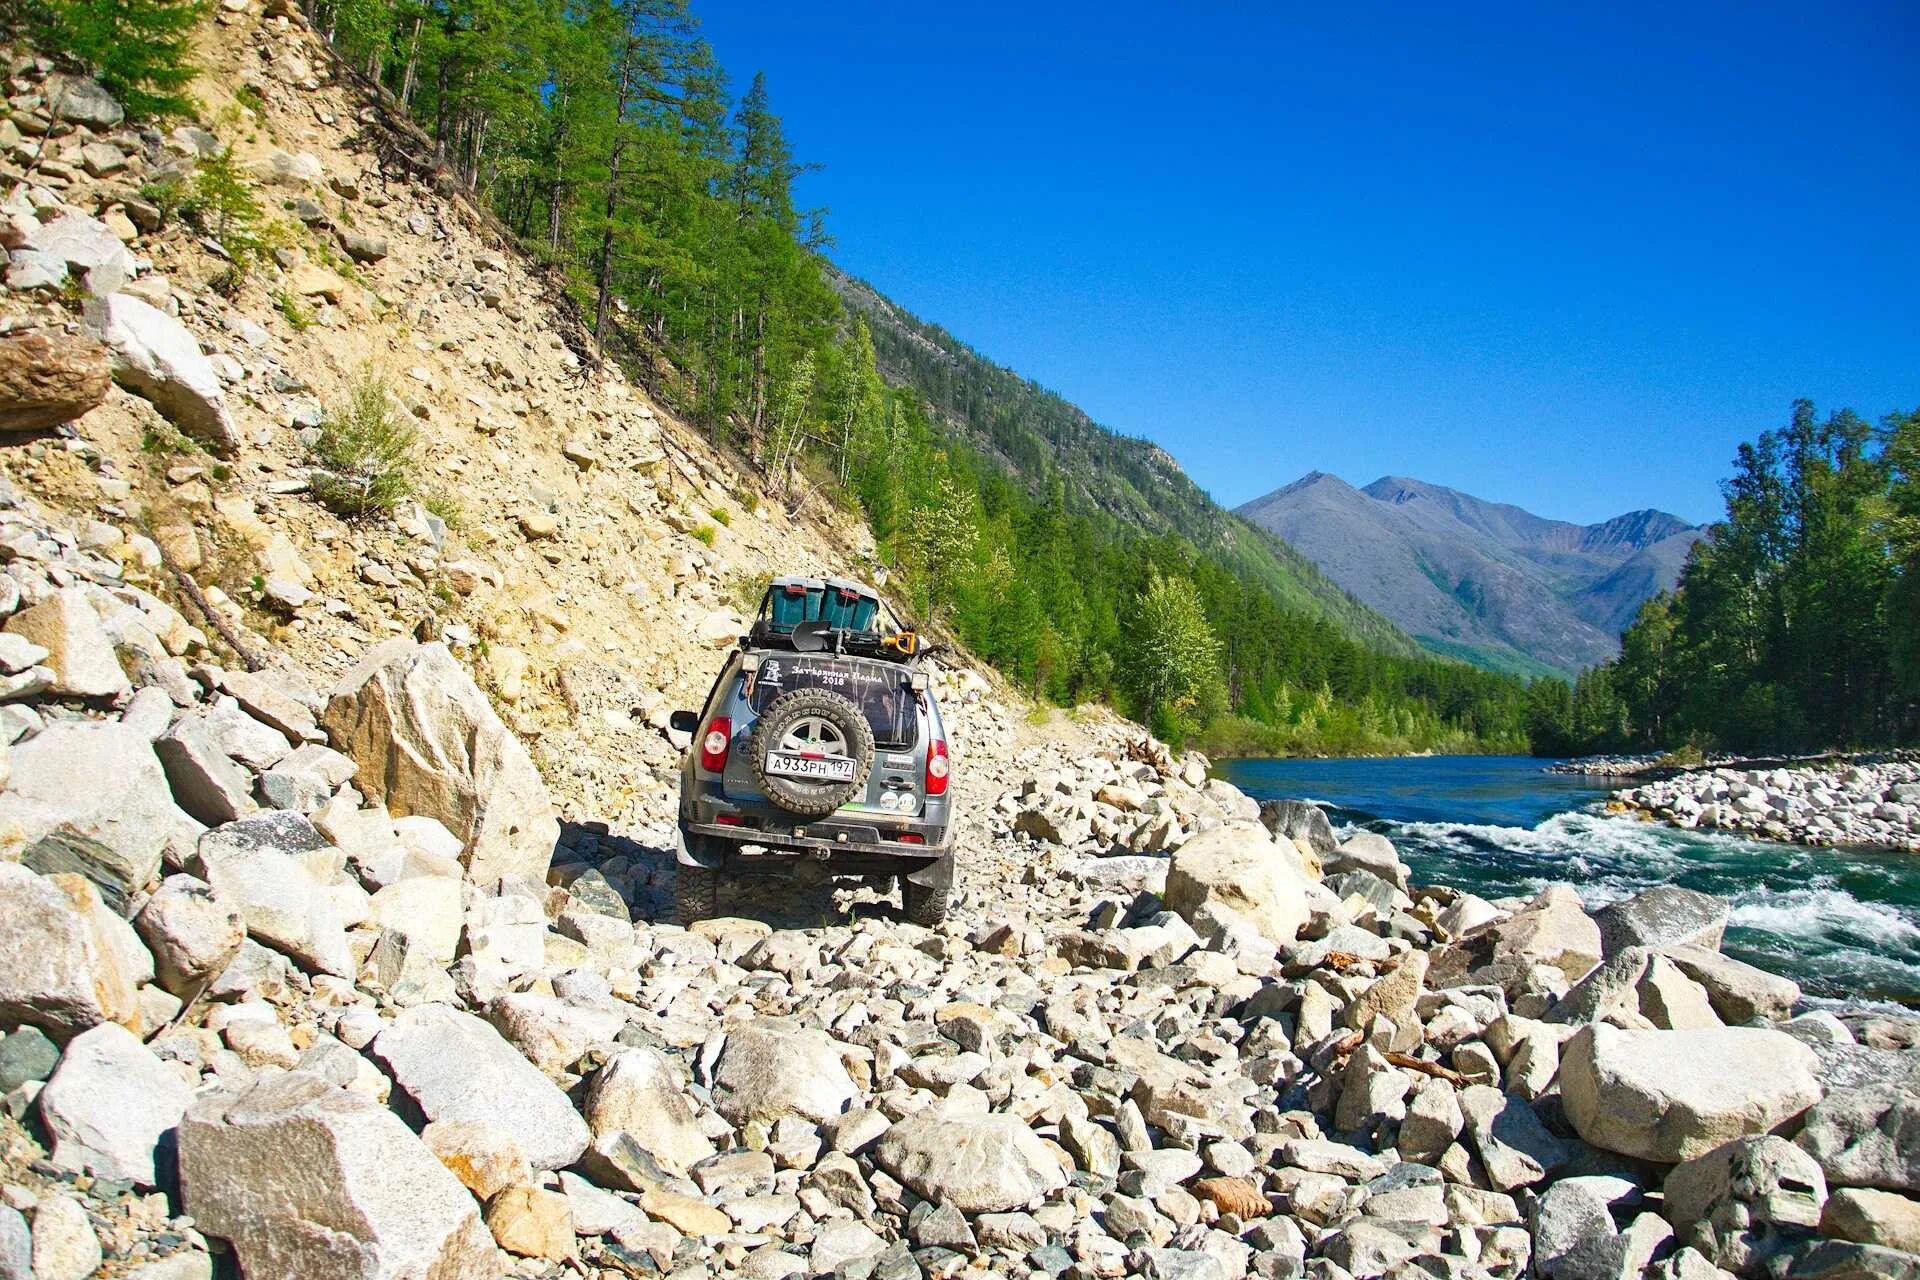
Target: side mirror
(684, 721)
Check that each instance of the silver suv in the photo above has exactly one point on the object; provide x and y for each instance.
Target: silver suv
(821, 741)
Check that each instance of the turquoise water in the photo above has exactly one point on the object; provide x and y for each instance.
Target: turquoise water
(1844, 924)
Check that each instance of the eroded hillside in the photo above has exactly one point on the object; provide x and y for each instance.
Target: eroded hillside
(595, 550)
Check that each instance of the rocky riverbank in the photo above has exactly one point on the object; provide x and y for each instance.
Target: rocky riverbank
(321, 985)
(1613, 766)
(1875, 804)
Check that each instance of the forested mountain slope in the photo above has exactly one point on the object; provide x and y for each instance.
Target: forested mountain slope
(645, 224)
(1485, 580)
(1039, 435)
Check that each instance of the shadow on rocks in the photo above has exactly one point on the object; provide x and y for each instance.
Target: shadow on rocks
(797, 895)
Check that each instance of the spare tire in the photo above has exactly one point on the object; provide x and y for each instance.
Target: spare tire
(811, 722)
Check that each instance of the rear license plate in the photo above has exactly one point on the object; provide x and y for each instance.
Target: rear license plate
(822, 769)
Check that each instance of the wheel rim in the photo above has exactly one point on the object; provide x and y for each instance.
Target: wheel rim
(814, 735)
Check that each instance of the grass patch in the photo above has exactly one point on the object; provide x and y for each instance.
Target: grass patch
(706, 533)
(720, 516)
(746, 589)
(166, 440)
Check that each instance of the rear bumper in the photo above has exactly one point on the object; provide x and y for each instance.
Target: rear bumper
(844, 849)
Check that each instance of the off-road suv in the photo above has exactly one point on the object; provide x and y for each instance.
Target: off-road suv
(820, 741)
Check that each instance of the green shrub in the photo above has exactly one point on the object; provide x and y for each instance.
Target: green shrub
(448, 508)
(221, 204)
(364, 453)
(720, 516)
(166, 439)
(298, 316)
(166, 196)
(706, 533)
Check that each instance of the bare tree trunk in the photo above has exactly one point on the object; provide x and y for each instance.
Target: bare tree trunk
(409, 82)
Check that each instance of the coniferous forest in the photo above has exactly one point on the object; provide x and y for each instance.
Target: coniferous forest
(605, 137)
(1796, 624)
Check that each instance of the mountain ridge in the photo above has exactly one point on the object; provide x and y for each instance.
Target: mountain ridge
(1031, 430)
(1489, 581)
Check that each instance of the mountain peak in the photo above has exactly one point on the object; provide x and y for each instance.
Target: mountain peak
(1461, 572)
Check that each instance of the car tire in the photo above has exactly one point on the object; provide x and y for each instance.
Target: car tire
(696, 894)
(811, 799)
(926, 905)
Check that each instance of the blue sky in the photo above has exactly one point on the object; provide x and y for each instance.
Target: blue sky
(1564, 256)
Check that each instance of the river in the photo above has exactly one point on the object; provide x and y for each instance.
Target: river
(1844, 924)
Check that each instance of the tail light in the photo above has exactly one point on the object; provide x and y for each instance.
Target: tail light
(911, 837)
(937, 770)
(713, 747)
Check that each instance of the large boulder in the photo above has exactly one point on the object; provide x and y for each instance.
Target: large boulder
(453, 1066)
(1744, 1201)
(1237, 869)
(275, 869)
(427, 741)
(1672, 1095)
(978, 1164)
(1662, 917)
(637, 1093)
(56, 816)
(770, 1068)
(1554, 930)
(155, 357)
(1866, 1137)
(83, 101)
(1870, 1217)
(551, 1033)
(311, 1182)
(67, 969)
(1638, 988)
(1368, 851)
(1514, 1147)
(1302, 822)
(47, 379)
(112, 1106)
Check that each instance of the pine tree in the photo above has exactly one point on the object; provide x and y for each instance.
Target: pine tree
(137, 48)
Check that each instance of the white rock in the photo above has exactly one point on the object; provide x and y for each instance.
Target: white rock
(109, 1105)
(65, 970)
(154, 356)
(1672, 1095)
(1238, 868)
(979, 1164)
(311, 1182)
(636, 1093)
(453, 1066)
(770, 1069)
(428, 741)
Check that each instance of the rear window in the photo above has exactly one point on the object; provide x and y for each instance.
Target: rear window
(881, 692)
